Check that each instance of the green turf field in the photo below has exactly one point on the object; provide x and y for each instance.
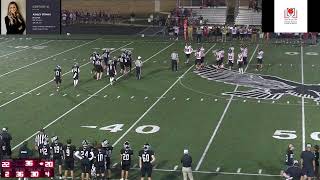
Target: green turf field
(229, 137)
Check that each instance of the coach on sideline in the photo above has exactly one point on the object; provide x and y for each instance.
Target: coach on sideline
(138, 64)
(186, 161)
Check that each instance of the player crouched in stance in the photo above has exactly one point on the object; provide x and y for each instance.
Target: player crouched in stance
(57, 76)
(188, 50)
(259, 60)
(293, 172)
(197, 54)
(230, 57)
(57, 153)
(85, 155)
(146, 160)
(219, 58)
(111, 71)
(75, 70)
(240, 63)
(68, 152)
(125, 158)
(100, 162)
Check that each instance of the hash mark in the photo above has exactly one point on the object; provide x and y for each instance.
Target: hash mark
(239, 170)
(38, 94)
(218, 169)
(12, 93)
(260, 171)
(146, 97)
(78, 95)
(51, 94)
(118, 97)
(175, 167)
(64, 95)
(132, 97)
(105, 96)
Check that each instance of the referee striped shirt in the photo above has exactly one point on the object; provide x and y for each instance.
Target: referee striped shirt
(40, 138)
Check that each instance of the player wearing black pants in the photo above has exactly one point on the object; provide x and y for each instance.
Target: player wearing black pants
(57, 153)
(125, 158)
(146, 159)
(57, 76)
(85, 155)
(68, 151)
(100, 162)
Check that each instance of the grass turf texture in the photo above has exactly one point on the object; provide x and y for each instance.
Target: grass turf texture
(187, 113)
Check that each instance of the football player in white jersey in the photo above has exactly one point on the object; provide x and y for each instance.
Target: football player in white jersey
(198, 58)
(240, 63)
(231, 57)
(188, 50)
(203, 54)
(259, 59)
(245, 55)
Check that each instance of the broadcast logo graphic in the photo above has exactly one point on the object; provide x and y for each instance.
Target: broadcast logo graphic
(290, 16)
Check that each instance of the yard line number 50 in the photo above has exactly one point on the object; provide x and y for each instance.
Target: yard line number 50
(287, 134)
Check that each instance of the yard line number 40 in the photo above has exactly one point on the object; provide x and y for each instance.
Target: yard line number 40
(145, 129)
(286, 134)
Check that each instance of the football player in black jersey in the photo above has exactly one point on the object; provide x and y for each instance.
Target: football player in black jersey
(76, 71)
(125, 158)
(44, 150)
(68, 152)
(56, 148)
(85, 155)
(57, 76)
(146, 160)
(99, 68)
(108, 149)
(100, 161)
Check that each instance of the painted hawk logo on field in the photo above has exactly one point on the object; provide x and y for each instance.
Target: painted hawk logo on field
(264, 86)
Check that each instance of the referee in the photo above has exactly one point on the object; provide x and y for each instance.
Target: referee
(40, 138)
(138, 64)
(174, 60)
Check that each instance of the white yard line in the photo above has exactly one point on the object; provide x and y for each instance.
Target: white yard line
(153, 105)
(26, 48)
(34, 89)
(41, 60)
(221, 118)
(82, 102)
(303, 119)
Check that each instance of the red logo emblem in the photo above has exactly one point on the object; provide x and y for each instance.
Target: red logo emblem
(291, 13)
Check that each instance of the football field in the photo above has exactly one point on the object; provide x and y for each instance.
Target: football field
(235, 126)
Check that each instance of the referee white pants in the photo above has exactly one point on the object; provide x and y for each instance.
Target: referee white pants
(187, 172)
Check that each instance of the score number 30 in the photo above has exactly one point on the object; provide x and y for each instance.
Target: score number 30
(286, 134)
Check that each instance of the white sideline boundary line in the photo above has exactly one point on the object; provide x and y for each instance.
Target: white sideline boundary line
(75, 107)
(213, 172)
(156, 102)
(46, 42)
(303, 119)
(34, 89)
(47, 58)
(222, 117)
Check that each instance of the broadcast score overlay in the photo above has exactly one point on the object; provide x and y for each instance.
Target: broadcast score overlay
(289, 16)
(33, 17)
